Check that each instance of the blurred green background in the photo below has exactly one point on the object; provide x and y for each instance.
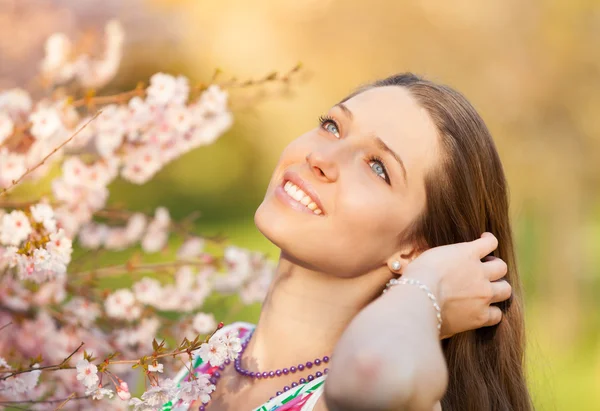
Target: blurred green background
(531, 68)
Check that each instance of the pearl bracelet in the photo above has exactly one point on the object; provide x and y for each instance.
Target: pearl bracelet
(412, 281)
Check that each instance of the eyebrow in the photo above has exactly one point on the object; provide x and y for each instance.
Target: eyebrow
(380, 143)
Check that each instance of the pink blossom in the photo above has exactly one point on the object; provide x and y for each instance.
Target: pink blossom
(93, 235)
(20, 384)
(83, 311)
(191, 248)
(123, 391)
(141, 164)
(165, 89)
(122, 305)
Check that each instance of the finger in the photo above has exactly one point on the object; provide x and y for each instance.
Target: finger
(484, 245)
(495, 268)
(494, 316)
(501, 291)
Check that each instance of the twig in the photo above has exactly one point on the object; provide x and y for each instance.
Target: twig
(118, 269)
(30, 170)
(117, 98)
(46, 367)
(171, 354)
(71, 397)
(5, 325)
(62, 404)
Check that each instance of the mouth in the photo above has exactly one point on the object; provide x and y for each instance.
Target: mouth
(300, 194)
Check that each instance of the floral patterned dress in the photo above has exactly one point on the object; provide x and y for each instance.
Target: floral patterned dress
(304, 397)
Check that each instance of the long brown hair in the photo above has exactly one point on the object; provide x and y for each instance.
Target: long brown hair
(467, 194)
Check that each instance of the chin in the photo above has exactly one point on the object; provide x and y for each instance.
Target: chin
(271, 224)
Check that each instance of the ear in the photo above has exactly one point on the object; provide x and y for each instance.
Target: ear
(401, 258)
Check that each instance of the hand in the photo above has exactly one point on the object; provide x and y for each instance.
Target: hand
(463, 284)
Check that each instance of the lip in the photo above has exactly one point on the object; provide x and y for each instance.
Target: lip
(304, 186)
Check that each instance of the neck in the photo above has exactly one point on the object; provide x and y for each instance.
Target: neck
(305, 313)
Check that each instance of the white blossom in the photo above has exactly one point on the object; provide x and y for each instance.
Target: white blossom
(43, 213)
(196, 389)
(21, 383)
(87, 373)
(155, 367)
(159, 394)
(15, 228)
(12, 167)
(213, 352)
(232, 343)
(15, 102)
(61, 247)
(204, 323)
(45, 122)
(56, 66)
(148, 291)
(191, 248)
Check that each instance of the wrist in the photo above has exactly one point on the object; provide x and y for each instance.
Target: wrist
(423, 287)
(427, 276)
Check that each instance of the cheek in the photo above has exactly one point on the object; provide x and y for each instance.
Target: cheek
(371, 221)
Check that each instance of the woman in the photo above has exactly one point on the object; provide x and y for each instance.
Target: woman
(393, 174)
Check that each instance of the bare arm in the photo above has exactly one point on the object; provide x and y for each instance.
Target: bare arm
(390, 357)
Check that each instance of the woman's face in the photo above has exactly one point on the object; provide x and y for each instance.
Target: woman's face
(362, 173)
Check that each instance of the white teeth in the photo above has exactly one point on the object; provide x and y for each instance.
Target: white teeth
(297, 194)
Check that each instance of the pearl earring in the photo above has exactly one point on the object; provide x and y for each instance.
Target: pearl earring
(396, 265)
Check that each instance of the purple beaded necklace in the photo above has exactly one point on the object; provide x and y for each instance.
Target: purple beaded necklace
(281, 372)
(271, 374)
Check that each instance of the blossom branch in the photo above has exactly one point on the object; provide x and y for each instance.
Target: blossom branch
(32, 169)
(61, 366)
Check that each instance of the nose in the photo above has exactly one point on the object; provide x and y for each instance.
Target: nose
(322, 166)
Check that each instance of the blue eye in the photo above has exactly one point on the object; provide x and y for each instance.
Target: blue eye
(377, 165)
(328, 124)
